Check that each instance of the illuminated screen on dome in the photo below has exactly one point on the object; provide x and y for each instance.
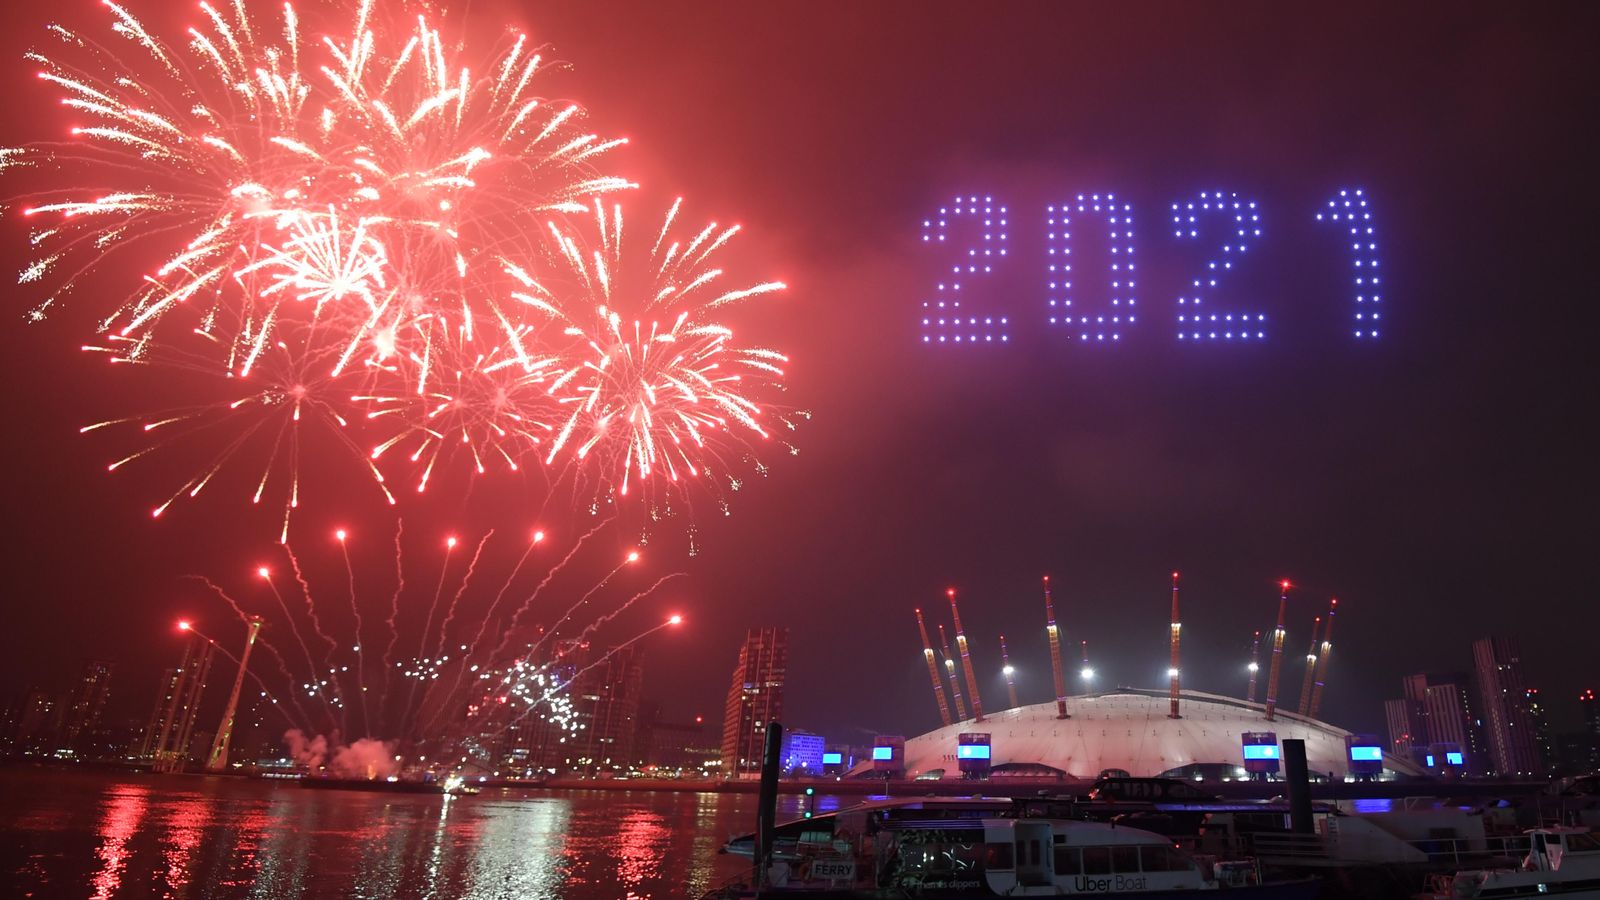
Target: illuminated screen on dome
(1260, 751)
(1366, 754)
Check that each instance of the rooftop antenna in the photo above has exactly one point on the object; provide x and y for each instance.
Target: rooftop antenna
(950, 670)
(1172, 671)
(1322, 660)
(1311, 668)
(1009, 671)
(1055, 652)
(1254, 667)
(1277, 651)
(966, 659)
(933, 671)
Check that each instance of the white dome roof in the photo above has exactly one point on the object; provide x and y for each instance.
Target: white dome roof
(1129, 729)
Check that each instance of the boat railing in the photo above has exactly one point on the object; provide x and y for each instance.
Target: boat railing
(1288, 846)
(1324, 849)
(1463, 852)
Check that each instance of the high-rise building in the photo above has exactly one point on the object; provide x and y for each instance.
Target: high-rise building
(1441, 711)
(607, 695)
(686, 747)
(755, 699)
(1542, 740)
(166, 689)
(170, 729)
(1508, 727)
(1403, 735)
(1578, 752)
(39, 722)
(1437, 713)
(88, 703)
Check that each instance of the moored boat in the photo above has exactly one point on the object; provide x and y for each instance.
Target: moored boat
(1561, 862)
(981, 847)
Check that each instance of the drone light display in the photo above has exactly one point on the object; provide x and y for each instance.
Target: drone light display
(975, 228)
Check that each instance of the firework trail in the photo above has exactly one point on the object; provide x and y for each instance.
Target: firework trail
(315, 685)
(351, 231)
(516, 618)
(316, 621)
(466, 581)
(533, 706)
(422, 663)
(355, 611)
(283, 666)
(394, 604)
(630, 559)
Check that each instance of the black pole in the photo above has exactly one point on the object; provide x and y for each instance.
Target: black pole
(767, 801)
(1299, 778)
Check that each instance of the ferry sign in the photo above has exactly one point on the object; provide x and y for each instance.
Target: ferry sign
(833, 870)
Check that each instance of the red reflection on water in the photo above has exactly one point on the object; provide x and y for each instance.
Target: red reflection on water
(186, 824)
(123, 813)
(250, 832)
(641, 837)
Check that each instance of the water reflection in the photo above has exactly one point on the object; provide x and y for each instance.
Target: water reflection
(641, 840)
(186, 824)
(520, 852)
(78, 834)
(124, 809)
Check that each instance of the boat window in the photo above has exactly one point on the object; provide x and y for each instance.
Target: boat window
(1097, 860)
(1153, 858)
(1125, 859)
(940, 857)
(1028, 852)
(998, 856)
(1068, 862)
(1582, 843)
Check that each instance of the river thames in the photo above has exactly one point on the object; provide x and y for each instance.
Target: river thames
(85, 834)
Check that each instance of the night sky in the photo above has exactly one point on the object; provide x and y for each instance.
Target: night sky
(1435, 480)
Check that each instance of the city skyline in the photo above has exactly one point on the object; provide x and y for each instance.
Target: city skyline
(1238, 467)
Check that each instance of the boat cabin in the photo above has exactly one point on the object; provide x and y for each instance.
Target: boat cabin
(973, 844)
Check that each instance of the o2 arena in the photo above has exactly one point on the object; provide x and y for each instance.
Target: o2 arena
(1129, 731)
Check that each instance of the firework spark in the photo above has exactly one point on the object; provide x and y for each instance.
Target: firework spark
(463, 682)
(650, 381)
(380, 234)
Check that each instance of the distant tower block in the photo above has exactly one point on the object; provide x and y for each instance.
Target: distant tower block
(1254, 667)
(1172, 671)
(955, 680)
(218, 760)
(1322, 659)
(1010, 672)
(1055, 652)
(966, 659)
(1311, 668)
(1277, 652)
(933, 671)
